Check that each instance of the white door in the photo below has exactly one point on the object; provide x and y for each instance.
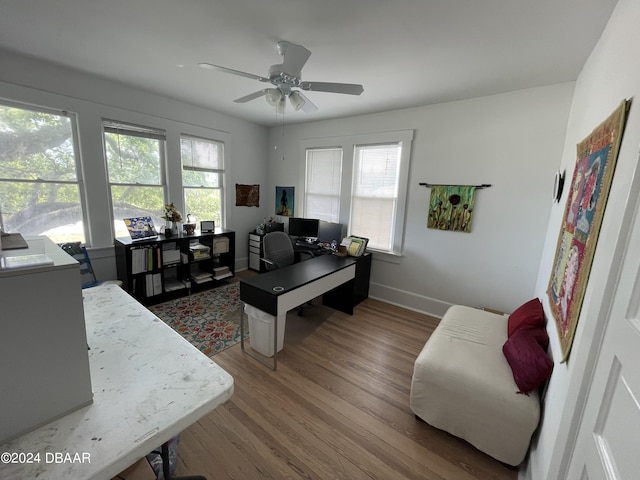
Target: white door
(608, 442)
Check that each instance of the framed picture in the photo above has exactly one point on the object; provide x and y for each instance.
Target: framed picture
(285, 201)
(207, 226)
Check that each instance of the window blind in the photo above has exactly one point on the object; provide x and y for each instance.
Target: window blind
(375, 193)
(322, 189)
(199, 154)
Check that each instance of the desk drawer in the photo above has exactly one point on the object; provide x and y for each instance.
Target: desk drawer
(254, 261)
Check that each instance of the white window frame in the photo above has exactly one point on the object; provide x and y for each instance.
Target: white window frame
(76, 152)
(348, 145)
(132, 129)
(220, 171)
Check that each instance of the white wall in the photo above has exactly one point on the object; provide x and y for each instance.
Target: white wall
(610, 75)
(92, 99)
(513, 141)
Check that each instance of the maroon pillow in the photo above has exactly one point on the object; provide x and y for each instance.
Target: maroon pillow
(540, 334)
(528, 314)
(529, 363)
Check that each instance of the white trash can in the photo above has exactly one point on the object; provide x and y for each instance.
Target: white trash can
(261, 326)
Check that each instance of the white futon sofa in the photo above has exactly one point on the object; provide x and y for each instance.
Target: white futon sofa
(463, 384)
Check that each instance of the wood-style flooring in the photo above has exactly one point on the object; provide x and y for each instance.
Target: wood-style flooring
(336, 408)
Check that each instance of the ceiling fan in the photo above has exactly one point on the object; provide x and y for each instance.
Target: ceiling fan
(286, 77)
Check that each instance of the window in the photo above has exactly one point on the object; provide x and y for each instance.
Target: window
(135, 159)
(39, 181)
(203, 177)
(375, 193)
(322, 186)
(366, 185)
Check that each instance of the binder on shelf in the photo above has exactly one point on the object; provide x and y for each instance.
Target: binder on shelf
(157, 284)
(355, 246)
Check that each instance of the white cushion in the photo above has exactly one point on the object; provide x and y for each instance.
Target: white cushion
(463, 384)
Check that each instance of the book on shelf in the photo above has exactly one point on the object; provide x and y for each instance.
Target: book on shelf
(200, 280)
(170, 256)
(174, 284)
(201, 276)
(221, 272)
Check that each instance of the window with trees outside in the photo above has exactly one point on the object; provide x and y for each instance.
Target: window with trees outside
(203, 178)
(135, 160)
(361, 181)
(40, 188)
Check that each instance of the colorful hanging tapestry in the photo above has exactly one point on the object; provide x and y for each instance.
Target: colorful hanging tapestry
(285, 201)
(247, 195)
(451, 207)
(592, 176)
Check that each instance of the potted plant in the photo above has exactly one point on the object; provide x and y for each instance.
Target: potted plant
(171, 214)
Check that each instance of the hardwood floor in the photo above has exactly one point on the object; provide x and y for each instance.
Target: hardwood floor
(336, 408)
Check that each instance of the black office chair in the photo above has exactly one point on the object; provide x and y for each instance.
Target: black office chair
(279, 253)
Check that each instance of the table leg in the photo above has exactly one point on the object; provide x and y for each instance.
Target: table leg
(166, 470)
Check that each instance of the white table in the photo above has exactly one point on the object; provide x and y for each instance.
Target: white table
(149, 384)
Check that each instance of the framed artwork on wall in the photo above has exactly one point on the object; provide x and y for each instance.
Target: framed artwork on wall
(285, 201)
(247, 195)
(587, 198)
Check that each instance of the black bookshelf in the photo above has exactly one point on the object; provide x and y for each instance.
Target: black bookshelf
(166, 267)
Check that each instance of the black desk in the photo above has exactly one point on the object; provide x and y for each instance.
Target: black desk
(343, 282)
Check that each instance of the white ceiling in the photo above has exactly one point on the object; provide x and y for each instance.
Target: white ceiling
(404, 52)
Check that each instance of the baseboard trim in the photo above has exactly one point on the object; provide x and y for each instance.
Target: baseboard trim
(408, 300)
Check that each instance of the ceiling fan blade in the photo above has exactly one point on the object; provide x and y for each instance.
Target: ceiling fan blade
(252, 96)
(309, 106)
(295, 56)
(348, 88)
(211, 66)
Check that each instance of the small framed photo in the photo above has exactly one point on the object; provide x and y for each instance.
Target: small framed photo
(207, 226)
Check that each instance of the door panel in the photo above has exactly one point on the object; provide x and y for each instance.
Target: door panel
(607, 445)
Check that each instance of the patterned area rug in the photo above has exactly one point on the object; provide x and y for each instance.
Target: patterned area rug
(209, 320)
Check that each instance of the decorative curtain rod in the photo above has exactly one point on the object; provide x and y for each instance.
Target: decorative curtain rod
(429, 185)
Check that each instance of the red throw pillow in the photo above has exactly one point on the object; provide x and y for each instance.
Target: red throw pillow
(540, 334)
(529, 363)
(528, 314)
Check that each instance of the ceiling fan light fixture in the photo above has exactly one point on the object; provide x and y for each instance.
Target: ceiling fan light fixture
(273, 96)
(296, 100)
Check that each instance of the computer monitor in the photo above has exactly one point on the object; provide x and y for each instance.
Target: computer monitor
(329, 231)
(303, 227)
